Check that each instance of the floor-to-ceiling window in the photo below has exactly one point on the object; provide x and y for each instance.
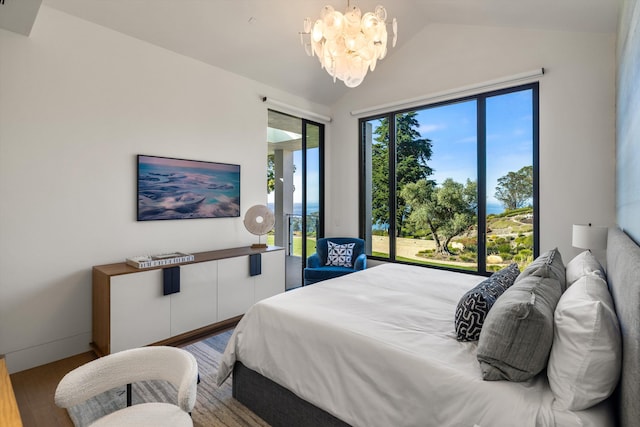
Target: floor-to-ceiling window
(294, 187)
(453, 184)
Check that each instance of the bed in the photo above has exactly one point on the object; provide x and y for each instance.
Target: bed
(378, 348)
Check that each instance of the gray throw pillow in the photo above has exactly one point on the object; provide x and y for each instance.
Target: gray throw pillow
(517, 334)
(549, 264)
(473, 307)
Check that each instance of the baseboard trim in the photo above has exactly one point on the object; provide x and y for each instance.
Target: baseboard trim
(42, 354)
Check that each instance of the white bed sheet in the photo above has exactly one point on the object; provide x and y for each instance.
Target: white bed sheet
(378, 348)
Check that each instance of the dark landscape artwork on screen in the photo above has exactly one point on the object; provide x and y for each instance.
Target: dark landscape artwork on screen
(182, 189)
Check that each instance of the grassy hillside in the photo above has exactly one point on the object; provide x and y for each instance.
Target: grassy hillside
(509, 239)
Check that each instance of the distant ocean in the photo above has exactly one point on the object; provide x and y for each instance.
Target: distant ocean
(492, 208)
(312, 207)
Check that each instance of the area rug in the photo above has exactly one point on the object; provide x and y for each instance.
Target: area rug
(214, 406)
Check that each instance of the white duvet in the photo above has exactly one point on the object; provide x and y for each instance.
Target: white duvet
(378, 348)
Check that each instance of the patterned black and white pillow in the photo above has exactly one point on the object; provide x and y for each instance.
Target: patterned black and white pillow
(340, 255)
(476, 303)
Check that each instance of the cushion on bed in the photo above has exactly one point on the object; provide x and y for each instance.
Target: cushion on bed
(340, 255)
(473, 307)
(582, 264)
(517, 334)
(584, 364)
(549, 264)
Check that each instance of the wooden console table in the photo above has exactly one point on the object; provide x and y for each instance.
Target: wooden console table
(132, 308)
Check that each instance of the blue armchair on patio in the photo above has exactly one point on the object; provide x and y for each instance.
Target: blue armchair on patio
(334, 257)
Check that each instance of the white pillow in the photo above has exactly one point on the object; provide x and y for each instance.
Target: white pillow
(585, 359)
(582, 264)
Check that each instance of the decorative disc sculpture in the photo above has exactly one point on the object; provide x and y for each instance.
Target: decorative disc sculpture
(259, 220)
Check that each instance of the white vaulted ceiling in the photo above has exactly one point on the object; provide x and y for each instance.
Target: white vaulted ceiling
(259, 39)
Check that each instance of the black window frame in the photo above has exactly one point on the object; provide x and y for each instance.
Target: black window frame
(480, 99)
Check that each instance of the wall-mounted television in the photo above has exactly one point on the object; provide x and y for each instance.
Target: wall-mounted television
(171, 188)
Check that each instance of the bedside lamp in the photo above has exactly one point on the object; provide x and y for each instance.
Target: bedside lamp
(587, 236)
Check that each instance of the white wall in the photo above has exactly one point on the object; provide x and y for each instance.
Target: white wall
(577, 115)
(77, 103)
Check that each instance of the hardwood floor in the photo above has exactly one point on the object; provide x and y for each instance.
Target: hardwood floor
(35, 388)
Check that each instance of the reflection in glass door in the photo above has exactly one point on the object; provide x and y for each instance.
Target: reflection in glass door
(294, 186)
(311, 178)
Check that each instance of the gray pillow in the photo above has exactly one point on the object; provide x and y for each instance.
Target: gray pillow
(549, 264)
(517, 334)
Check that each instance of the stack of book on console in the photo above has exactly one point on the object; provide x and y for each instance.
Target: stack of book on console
(147, 261)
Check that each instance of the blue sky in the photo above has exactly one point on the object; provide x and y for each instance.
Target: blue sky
(313, 177)
(452, 130)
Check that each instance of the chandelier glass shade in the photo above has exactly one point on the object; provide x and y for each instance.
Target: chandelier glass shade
(348, 45)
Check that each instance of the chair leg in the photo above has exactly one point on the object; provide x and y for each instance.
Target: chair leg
(129, 394)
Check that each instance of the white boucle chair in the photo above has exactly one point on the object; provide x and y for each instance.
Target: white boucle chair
(172, 364)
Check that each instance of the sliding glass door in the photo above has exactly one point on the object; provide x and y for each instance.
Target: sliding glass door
(511, 180)
(295, 192)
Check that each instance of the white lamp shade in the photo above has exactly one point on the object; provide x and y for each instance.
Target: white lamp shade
(587, 236)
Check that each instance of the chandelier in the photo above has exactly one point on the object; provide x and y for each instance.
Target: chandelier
(348, 45)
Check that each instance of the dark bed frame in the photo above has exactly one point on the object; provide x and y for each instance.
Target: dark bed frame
(282, 408)
(275, 404)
